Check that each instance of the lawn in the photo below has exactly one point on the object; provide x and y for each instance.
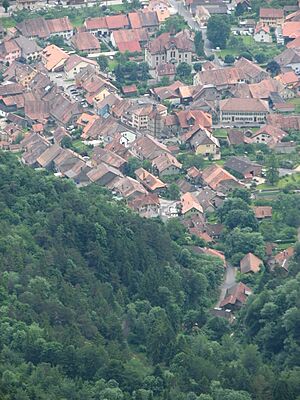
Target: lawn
(8, 22)
(293, 179)
(220, 133)
(112, 65)
(296, 103)
(269, 49)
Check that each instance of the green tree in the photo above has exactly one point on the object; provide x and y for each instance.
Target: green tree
(5, 5)
(103, 63)
(273, 67)
(197, 67)
(183, 71)
(229, 59)
(173, 192)
(199, 46)
(272, 173)
(218, 31)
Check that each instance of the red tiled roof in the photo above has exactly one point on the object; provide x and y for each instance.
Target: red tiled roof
(117, 21)
(130, 46)
(271, 13)
(134, 20)
(85, 41)
(96, 23)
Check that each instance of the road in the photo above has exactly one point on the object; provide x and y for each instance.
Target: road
(229, 281)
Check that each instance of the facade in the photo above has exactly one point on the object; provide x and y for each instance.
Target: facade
(168, 48)
(27, 5)
(272, 17)
(243, 112)
(262, 34)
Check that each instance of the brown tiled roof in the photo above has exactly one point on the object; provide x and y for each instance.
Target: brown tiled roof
(262, 212)
(271, 13)
(237, 293)
(84, 41)
(199, 118)
(49, 155)
(104, 155)
(117, 21)
(263, 89)
(101, 170)
(58, 25)
(128, 187)
(148, 147)
(250, 69)
(35, 27)
(284, 122)
(144, 200)
(190, 202)
(250, 263)
(150, 181)
(164, 161)
(131, 46)
(164, 41)
(244, 105)
(221, 76)
(215, 174)
(96, 23)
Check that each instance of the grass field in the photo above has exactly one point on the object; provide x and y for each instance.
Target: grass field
(8, 22)
(296, 103)
(220, 133)
(293, 179)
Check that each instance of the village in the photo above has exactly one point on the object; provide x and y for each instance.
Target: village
(138, 101)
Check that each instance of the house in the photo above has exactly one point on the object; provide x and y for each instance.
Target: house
(262, 33)
(168, 48)
(289, 58)
(253, 72)
(202, 15)
(262, 212)
(161, 7)
(166, 70)
(215, 176)
(60, 27)
(116, 22)
(236, 296)
(104, 174)
(250, 263)
(268, 134)
(203, 142)
(43, 29)
(97, 26)
(54, 58)
(45, 160)
(74, 64)
(291, 30)
(243, 112)
(144, 19)
(139, 115)
(86, 42)
(271, 16)
(131, 40)
(169, 93)
(282, 259)
(187, 119)
(9, 51)
(190, 204)
(166, 164)
(63, 111)
(268, 87)
(130, 90)
(30, 51)
(147, 205)
(220, 78)
(127, 188)
(101, 155)
(149, 181)
(236, 137)
(147, 148)
(243, 167)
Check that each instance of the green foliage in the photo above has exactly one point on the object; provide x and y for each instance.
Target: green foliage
(173, 24)
(218, 30)
(273, 67)
(229, 59)
(5, 5)
(183, 72)
(103, 63)
(272, 173)
(173, 192)
(199, 45)
(131, 71)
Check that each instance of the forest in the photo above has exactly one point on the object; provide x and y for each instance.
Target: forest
(100, 304)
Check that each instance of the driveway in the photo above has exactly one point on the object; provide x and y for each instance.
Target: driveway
(229, 280)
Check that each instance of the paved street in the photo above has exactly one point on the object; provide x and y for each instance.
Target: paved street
(229, 281)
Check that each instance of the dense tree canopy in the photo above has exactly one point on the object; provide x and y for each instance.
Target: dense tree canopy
(97, 303)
